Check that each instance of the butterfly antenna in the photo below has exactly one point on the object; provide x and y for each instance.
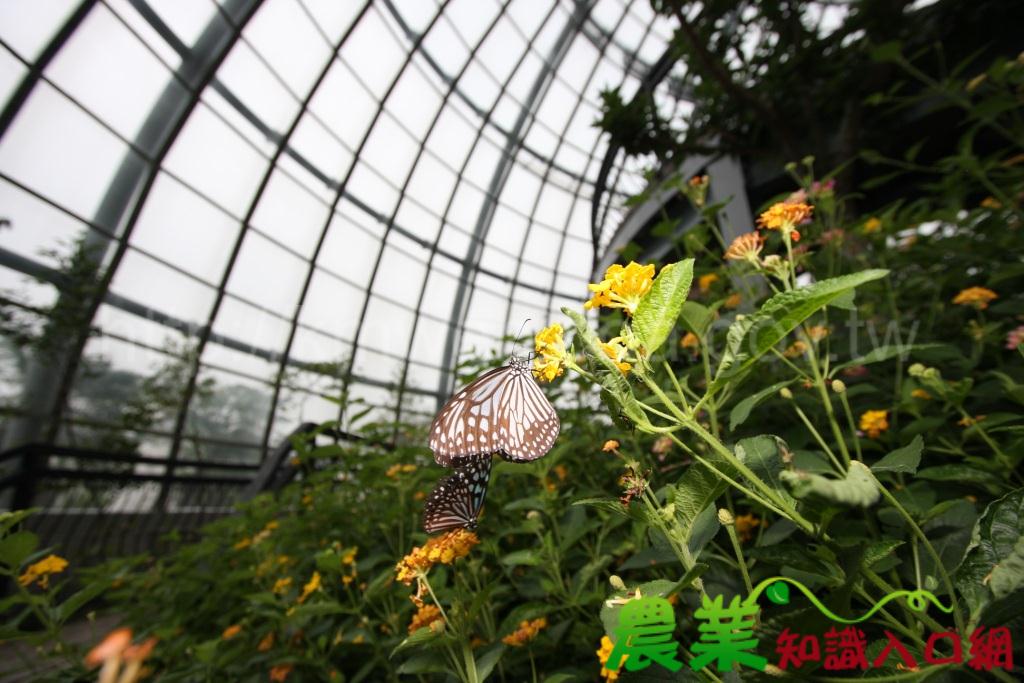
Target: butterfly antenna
(519, 336)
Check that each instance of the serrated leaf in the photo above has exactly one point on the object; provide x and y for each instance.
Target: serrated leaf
(752, 336)
(905, 459)
(419, 637)
(741, 411)
(884, 353)
(995, 539)
(658, 311)
(762, 455)
(856, 488)
(880, 550)
(696, 318)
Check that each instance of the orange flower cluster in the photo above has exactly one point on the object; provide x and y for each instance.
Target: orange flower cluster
(526, 632)
(978, 297)
(425, 618)
(786, 216)
(116, 650)
(437, 550)
(745, 525)
(39, 573)
(746, 247)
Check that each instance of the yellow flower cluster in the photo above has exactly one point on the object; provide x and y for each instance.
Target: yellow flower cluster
(616, 350)
(526, 632)
(282, 585)
(622, 287)
(874, 422)
(397, 469)
(438, 550)
(425, 618)
(704, 282)
(603, 654)
(550, 346)
(872, 225)
(312, 585)
(796, 349)
(40, 572)
(817, 332)
(978, 297)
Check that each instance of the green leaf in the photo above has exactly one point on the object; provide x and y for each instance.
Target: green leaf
(657, 312)
(904, 459)
(880, 550)
(419, 637)
(80, 599)
(995, 540)
(426, 663)
(16, 547)
(752, 336)
(763, 456)
(856, 488)
(527, 557)
(612, 380)
(485, 663)
(9, 519)
(696, 318)
(884, 353)
(964, 474)
(778, 593)
(887, 52)
(741, 411)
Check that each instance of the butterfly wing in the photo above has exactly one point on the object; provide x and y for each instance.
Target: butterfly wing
(456, 501)
(527, 422)
(462, 430)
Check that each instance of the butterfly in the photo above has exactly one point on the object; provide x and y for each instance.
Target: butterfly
(457, 499)
(502, 411)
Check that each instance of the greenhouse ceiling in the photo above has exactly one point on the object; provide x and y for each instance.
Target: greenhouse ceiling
(269, 201)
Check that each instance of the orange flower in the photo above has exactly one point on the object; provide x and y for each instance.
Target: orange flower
(978, 297)
(280, 672)
(603, 654)
(746, 247)
(690, 341)
(786, 216)
(610, 445)
(745, 525)
(733, 300)
(526, 632)
(425, 618)
(704, 282)
(231, 631)
(110, 647)
(437, 550)
(266, 643)
(795, 350)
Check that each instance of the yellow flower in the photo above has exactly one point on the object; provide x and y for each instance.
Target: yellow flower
(704, 282)
(312, 585)
(690, 341)
(733, 300)
(978, 297)
(745, 525)
(872, 225)
(307, 499)
(921, 394)
(971, 421)
(795, 350)
(266, 643)
(603, 654)
(550, 347)
(874, 422)
(40, 571)
(526, 632)
(231, 631)
(991, 203)
(561, 472)
(280, 672)
(617, 351)
(426, 616)
(622, 287)
(244, 543)
(746, 247)
(437, 550)
(349, 556)
(347, 579)
(419, 495)
(610, 445)
(282, 585)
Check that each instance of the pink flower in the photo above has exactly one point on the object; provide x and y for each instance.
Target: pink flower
(1015, 338)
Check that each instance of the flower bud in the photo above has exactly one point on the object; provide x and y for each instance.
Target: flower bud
(916, 370)
(616, 582)
(725, 517)
(785, 393)
(838, 386)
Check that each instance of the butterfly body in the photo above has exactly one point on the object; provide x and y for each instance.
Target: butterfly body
(503, 411)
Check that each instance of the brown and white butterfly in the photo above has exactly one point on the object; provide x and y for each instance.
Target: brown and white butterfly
(502, 411)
